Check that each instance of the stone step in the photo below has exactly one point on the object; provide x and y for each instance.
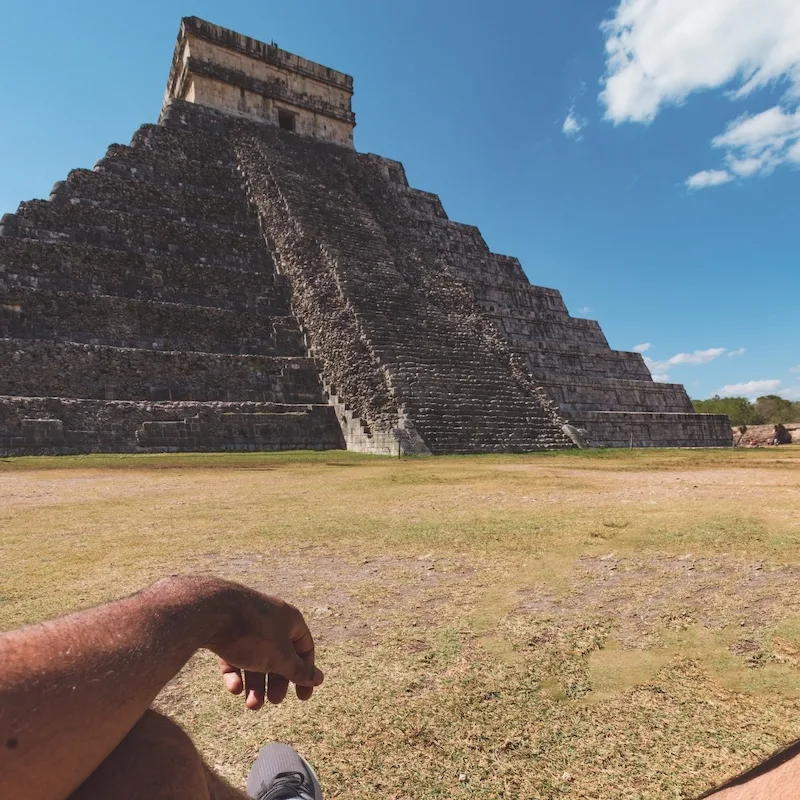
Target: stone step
(55, 425)
(111, 191)
(35, 368)
(27, 263)
(143, 324)
(115, 230)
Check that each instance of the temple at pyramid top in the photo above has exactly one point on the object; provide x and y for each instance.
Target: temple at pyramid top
(226, 71)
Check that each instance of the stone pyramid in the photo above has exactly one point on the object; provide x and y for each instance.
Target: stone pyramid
(240, 278)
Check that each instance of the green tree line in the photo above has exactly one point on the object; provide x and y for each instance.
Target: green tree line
(767, 410)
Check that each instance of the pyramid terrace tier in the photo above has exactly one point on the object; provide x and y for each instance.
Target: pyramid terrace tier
(174, 158)
(92, 270)
(497, 295)
(36, 368)
(121, 322)
(582, 361)
(194, 144)
(163, 168)
(116, 230)
(575, 395)
(56, 425)
(113, 192)
(641, 429)
(521, 330)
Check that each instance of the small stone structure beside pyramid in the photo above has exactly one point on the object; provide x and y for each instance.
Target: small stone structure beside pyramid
(240, 278)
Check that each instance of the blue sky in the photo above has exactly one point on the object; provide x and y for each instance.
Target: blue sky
(642, 157)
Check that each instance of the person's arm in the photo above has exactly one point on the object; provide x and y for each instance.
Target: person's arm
(71, 689)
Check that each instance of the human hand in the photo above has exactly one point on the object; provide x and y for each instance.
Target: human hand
(263, 644)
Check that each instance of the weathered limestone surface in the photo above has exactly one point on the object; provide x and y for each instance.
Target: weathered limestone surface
(221, 69)
(140, 311)
(652, 429)
(239, 277)
(607, 394)
(55, 425)
(344, 242)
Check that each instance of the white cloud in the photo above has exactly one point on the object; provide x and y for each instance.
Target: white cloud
(755, 144)
(659, 52)
(697, 357)
(740, 352)
(659, 369)
(642, 348)
(795, 369)
(585, 310)
(744, 167)
(750, 388)
(790, 393)
(708, 177)
(573, 125)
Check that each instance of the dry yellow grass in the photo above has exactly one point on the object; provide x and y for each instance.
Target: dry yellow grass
(595, 625)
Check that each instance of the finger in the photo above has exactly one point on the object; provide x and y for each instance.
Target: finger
(303, 644)
(231, 677)
(299, 669)
(277, 687)
(304, 692)
(254, 683)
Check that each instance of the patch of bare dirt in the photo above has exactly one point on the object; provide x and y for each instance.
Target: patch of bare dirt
(349, 597)
(33, 489)
(638, 598)
(734, 486)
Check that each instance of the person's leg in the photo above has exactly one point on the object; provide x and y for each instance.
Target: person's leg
(157, 761)
(280, 772)
(777, 778)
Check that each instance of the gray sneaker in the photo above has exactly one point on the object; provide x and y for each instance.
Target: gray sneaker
(281, 773)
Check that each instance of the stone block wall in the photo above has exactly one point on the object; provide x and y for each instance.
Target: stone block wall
(652, 429)
(56, 426)
(83, 269)
(146, 324)
(223, 70)
(56, 369)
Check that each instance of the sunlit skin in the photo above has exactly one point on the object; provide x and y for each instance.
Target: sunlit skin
(75, 692)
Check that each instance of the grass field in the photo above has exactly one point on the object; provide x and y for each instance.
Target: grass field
(610, 624)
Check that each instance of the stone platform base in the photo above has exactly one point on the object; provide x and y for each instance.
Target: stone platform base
(641, 429)
(55, 426)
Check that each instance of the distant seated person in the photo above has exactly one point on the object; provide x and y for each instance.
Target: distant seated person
(781, 435)
(75, 696)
